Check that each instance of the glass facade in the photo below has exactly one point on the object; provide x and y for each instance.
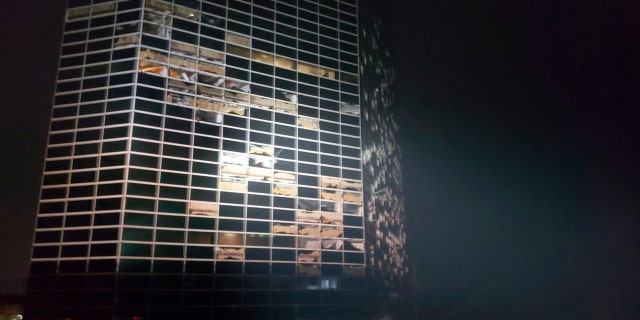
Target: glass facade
(204, 159)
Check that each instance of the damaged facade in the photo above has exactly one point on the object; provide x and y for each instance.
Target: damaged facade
(202, 162)
(381, 156)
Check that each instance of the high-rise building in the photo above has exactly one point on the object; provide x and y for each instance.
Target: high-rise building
(218, 158)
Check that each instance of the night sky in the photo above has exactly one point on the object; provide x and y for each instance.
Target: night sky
(519, 140)
(519, 132)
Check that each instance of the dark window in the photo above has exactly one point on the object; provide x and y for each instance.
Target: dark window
(74, 251)
(106, 219)
(230, 225)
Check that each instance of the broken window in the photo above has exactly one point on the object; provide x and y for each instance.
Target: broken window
(183, 69)
(349, 108)
(261, 102)
(230, 253)
(332, 244)
(306, 122)
(308, 204)
(238, 85)
(285, 228)
(286, 63)
(284, 177)
(259, 173)
(308, 216)
(212, 117)
(352, 208)
(309, 243)
(328, 206)
(233, 185)
(292, 97)
(186, 13)
(230, 239)
(212, 56)
(309, 230)
(207, 104)
(204, 208)
(183, 48)
(285, 165)
(330, 182)
(210, 80)
(181, 86)
(213, 75)
(352, 197)
(157, 24)
(238, 51)
(307, 68)
(126, 38)
(234, 158)
(103, 8)
(261, 150)
(329, 194)
(331, 232)
(233, 171)
(331, 218)
(327, 73)
(351, 185)
(79, 12)
(153, 62)
(285, 190)
(157, 5)
(235, 108)
(308, 256)
(180, 99)
(354, 245)
(286, 106)
(238, 39)
(262, 57)
(261, 161)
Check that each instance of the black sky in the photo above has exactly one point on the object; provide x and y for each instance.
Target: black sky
(519, 124)
(30, 34)
(518, 131)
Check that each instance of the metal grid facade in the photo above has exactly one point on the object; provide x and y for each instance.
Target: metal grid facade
(204, 154)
